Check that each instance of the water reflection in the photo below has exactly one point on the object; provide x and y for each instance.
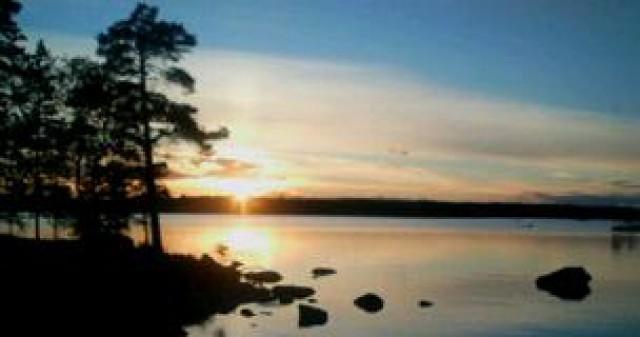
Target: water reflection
(487, 275)
(625, 242)
(253, 246)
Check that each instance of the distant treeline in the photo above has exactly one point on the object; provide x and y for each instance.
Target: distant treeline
(397, 208)
(342, 207)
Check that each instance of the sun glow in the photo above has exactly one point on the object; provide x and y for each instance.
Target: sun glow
(235, 171)
(250, 245)
(242, 189)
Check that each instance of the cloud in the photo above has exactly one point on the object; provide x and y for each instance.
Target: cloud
(626, 184)
(289, 104)
(632, 200)
(229, 167)
(338, 128)
(215, 167)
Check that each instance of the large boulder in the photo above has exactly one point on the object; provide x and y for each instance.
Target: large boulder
(370, 303)
(322, 271)
(568, 283)
(309, 316)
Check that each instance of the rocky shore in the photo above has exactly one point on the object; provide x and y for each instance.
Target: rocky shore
(109, 287)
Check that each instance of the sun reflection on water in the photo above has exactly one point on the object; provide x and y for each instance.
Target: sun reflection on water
(253, 246)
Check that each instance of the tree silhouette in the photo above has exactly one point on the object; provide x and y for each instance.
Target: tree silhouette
(37, 126)
(102, 149)
(11, 54)
(141, 50)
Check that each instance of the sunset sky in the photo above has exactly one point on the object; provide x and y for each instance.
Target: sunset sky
(455, 100)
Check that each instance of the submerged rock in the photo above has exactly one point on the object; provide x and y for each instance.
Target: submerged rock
(568, 283)
(247, 313)
(285, 299)
(322, 271)
(370, 303)
(425, 304)
(309, 316)
(260, 277)
(286, 294)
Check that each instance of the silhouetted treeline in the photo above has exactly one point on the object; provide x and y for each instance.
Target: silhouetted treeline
(422, 208)
(85, 128)
(339, 207)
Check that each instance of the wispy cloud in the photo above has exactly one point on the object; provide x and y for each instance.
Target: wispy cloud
(367, 115)
(337, 128)
(353, 108)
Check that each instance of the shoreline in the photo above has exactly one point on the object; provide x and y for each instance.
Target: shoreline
(346, 207)
(110, 287)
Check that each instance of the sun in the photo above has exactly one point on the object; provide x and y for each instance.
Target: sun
(241, 189)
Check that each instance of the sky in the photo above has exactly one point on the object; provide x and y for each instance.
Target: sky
(486, 100)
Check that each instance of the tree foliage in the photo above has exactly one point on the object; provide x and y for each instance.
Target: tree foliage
(87, 128)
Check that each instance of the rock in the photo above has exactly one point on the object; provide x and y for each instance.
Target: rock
(322, 271)
(370, 303)
(568, 283)
(312, 300)
(261, 277)
(247, 313)
(425, 304)
(287, 293)
(309, 316)
(266, 313)
(285, 299)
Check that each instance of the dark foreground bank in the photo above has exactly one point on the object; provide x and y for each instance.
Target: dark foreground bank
(108, 287)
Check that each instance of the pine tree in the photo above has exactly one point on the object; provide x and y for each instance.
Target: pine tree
(142, 49)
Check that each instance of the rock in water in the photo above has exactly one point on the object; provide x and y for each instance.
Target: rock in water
(310, 316)
(370, 303)
(322, 271)
(568, 283)
(247, 313)
(292, 292)
(425, 304)
(260, 277)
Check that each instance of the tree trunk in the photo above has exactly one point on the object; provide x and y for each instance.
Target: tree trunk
(147, 148)
(145, 228)
(78, 174)
(150, 182)
(38, 204)
(37, 229)
(55, 229)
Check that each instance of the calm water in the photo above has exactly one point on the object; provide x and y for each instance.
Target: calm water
(479, 273)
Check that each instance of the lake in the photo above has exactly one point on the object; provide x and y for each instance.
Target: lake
(479, 273)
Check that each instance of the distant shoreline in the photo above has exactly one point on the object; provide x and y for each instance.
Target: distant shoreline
(395, 208)
(340, 207)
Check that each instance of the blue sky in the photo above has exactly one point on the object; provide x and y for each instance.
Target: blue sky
(536, 97)
(578, 54)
